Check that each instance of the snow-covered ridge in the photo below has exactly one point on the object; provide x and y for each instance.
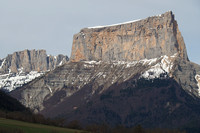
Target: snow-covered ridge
(129, 63)
(11, 80)
(160, 67)
(133, 63)
(166, 63)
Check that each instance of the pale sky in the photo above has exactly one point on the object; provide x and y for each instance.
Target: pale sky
(50, 24)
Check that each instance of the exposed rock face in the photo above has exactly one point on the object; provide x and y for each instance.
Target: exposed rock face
(184, 72)
(22, 67)
(31, 60)
(141, 66)
(148, 38)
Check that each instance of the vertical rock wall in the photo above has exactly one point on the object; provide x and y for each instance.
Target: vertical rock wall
(148, 38)
(30, 60)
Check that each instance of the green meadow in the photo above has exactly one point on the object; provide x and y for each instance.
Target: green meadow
(14, 126)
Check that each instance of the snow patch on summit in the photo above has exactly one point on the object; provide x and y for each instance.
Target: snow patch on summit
(128, 22)
(103, 26)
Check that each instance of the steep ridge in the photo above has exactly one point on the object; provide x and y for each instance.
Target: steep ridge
(23, 66)
(103, 70)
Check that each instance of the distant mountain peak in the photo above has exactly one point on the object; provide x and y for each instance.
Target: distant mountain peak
(30, 60)
(23, 66)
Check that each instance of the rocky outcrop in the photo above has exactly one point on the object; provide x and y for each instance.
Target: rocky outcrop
(21, 67)
(185, 73)
(147, 38)
(30, 60)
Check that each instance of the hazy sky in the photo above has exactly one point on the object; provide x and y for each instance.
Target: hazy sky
(50, 24)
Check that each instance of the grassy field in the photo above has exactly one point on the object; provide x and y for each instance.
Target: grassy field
(33, 128)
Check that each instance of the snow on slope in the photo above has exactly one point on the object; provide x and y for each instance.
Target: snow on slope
(165, 66)
(197, 77)
(11, 80)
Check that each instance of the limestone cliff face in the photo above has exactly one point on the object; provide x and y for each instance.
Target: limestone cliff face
(148, 38)
(22, 67)
(30, 60)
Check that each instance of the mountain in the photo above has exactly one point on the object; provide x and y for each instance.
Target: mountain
(131, 73)
(23, 66)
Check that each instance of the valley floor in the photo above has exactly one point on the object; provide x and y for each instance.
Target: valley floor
(7, 125)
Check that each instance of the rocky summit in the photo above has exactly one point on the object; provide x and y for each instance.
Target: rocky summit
(131, 41)
(23, 66)
(131, 73)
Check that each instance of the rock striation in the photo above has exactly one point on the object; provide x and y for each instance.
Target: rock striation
(73, 76)
(142, 39)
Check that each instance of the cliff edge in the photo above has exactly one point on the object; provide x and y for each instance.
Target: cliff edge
(130, 41)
